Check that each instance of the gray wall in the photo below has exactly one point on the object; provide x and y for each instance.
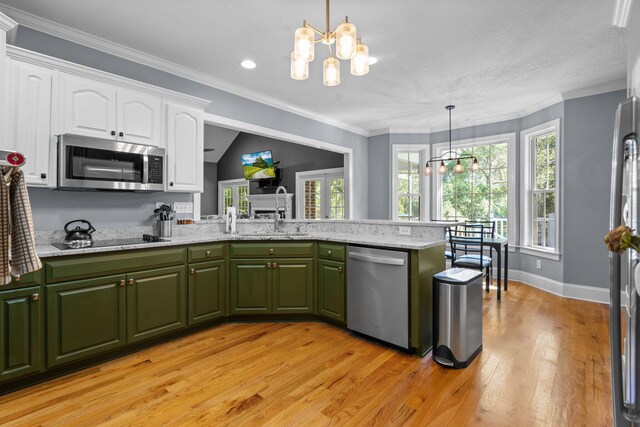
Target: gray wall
(224, 103)
(588, 133)
(633, 43)
(379, 182)
(293, 158)
(104, 209)
(209, 199)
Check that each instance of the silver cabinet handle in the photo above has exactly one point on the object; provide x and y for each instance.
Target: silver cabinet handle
(376, 259)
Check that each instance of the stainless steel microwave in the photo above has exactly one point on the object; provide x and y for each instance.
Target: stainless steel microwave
(102, 164)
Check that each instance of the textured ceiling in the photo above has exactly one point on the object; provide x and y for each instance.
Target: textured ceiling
(489, 57)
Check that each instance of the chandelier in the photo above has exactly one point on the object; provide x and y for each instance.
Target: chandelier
(348, 46)
(449, 156)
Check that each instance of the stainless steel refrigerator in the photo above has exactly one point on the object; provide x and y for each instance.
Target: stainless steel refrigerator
(624, 269)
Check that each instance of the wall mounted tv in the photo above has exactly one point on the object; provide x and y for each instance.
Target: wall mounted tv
(258, 165)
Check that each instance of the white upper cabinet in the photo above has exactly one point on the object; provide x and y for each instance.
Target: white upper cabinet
(100, 110)
(29, 96)
(185, 148)
(88, 107)
(138, 117)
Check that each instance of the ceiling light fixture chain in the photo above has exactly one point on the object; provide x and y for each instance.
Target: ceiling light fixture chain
(458, 168)
(348, 46)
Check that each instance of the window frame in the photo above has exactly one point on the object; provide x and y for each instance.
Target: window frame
(510, 139)
(423, 150)
(526, 190)
(234, 183)
(322, 174)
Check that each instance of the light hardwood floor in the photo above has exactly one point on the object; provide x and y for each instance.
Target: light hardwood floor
(545, 362)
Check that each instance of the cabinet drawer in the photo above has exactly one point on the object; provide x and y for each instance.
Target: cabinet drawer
(29, 279)
(332, 251)
(206, 252)
(260, 250)
(86, 266)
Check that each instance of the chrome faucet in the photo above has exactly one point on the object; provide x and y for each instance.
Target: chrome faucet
(276, 216)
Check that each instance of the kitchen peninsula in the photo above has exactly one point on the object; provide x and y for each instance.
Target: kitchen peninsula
(138, 295)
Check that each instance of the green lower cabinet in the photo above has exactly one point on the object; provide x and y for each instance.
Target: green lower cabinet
(84, 318)
(292, 286)
(156, 302)
(207, 284)
(250, 286)
(20, 332)
(332, 290)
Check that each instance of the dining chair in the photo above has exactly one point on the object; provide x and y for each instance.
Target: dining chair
(467, 249)
(489, 226)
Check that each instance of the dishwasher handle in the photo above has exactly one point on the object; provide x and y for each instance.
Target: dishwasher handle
(376, 259)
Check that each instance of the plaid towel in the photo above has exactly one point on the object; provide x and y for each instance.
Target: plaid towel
(17, 244)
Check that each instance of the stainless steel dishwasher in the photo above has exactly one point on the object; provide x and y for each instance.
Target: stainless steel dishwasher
(378, 294)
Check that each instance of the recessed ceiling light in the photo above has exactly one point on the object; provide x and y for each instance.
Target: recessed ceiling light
(248, 64)
(373, 60)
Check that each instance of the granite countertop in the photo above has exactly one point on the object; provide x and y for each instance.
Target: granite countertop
(398, 242)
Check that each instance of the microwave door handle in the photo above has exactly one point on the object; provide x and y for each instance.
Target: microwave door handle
(145, 169)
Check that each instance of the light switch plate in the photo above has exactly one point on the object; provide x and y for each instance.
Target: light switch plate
(404, 231)
(183, 207)
(539, 264)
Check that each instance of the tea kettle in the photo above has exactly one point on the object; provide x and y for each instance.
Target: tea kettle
(78, 237)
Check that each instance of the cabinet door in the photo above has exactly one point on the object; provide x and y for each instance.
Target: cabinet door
(207, 283)
(184, 150)
(292, 285)
(20, 332)
(138, 117)
(88, 107)
(331, 290)
(156, 302)
(250, 286)
(84, 318)
(29, 119)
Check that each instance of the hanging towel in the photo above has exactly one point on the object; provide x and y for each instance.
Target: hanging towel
(18, 254)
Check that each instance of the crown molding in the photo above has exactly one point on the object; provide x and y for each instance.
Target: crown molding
(7, 24)
(621, 13)
(80, 37)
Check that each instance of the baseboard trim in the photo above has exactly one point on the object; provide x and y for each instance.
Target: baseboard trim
(565, 290)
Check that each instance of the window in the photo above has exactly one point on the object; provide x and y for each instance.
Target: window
(540, 191)
(233, 193)
(487, 194)
(408, 202)
(321, 194)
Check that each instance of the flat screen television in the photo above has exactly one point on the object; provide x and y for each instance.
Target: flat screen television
(258, 165)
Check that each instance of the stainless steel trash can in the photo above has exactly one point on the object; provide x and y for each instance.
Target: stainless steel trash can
(458, 317)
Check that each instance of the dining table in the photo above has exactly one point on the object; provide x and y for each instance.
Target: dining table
(501, 246)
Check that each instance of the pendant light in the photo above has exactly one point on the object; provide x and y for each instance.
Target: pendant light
(450, 155)
(347, 46)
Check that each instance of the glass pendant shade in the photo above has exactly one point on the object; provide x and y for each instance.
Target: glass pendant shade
(360, 62)
(331, 71)
(304, 44)
(299, 68)
(458, 168)
(475, 166)
(346, 40)
(442, 169)
(427, 170)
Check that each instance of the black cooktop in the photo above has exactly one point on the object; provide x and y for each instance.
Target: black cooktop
(147, 238)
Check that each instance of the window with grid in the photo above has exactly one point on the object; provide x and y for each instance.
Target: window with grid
(323, 194)
(543, 191)
(233, 193)
(480, 195)
(541, 222)
(408, 186)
